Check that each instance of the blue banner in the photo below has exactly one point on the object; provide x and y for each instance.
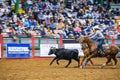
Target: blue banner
(18, 50)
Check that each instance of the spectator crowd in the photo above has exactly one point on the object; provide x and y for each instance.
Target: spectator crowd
(54, 19)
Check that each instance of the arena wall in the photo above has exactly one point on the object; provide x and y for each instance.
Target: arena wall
(39, 47)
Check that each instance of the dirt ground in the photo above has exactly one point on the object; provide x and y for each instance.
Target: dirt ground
(39, 69)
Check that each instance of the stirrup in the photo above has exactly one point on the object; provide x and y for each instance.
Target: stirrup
(101, 52)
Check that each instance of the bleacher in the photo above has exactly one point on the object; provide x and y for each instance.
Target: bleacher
(58, 11)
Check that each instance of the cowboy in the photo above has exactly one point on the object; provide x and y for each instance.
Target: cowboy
(100, 38)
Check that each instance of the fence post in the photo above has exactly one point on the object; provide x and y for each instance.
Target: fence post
(60, 42)
(32, 45)
(2, 45)
(113, 39)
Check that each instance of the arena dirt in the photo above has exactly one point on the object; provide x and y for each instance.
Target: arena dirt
(39, 69)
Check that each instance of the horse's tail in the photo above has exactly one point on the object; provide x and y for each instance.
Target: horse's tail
(118, 47)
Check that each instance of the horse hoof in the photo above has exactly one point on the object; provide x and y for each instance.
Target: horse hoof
(101, 66)
(66, 66)
(114, 67)
(81, 67)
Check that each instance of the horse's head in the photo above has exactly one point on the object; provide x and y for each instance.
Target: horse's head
(87, 38)
(81, 39)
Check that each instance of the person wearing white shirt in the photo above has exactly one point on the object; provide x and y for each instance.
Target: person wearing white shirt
(100, 38)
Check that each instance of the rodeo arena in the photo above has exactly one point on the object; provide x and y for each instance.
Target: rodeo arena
(59, 39)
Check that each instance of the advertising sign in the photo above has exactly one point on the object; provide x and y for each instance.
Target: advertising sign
(18, 50)
(44, 49)
(45, 46)
(74, 46)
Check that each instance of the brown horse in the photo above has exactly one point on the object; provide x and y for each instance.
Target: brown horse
(86, 51)
(92, 51)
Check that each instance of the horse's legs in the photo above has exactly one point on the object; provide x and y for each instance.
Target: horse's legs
(83, 60)
(68, 63)
(115, 61)
(91, 62)
(53, 61)
(88, 59)
(108, 60)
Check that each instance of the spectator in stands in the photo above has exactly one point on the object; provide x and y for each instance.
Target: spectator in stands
(118, 28)
(68, 31)
(47, 21)
(41, 31)
(39, 13)
(52, 25)
(80, 14)
(61, 25)
(0, 29)
(118, 11)
(76, 29)
(40, 17)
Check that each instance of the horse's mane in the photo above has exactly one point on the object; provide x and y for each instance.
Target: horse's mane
(88, 39)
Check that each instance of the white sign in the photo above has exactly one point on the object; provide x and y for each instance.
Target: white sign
(0, 50)
(74, 46)
(44, 49)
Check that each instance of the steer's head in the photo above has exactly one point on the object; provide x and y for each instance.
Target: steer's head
(52, 50)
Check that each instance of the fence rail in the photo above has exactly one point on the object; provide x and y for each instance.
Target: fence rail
(38, 39)
(40, 46)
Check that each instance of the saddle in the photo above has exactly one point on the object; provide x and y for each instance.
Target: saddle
(100, 52)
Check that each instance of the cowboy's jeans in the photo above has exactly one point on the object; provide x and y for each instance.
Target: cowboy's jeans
(101, 41)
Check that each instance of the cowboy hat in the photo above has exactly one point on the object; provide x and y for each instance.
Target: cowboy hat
(96, 27)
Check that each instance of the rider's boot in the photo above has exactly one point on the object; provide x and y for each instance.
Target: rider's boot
(100, 52)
